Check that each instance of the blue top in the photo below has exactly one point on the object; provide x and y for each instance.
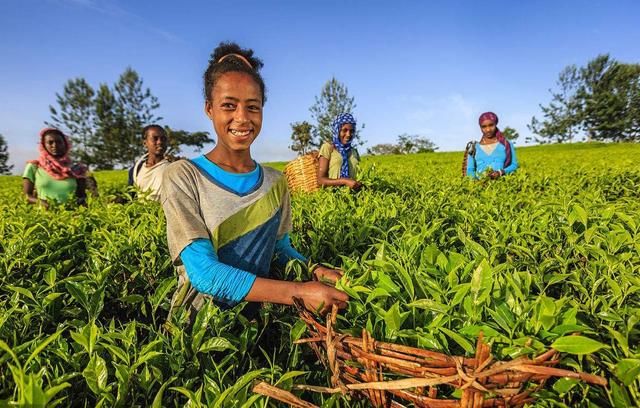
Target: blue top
(238, 183)
(206, 272)
(495, 160)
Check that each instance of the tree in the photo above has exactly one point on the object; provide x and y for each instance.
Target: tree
(406, 144)
(179, 138)
(610, 92)
(106, 124)
(134, 109)
(76, 115)
(601, 99)
(5, 167)
(334, 99)
(510, 133)
(415, 144)
(563, 116)
(302, 137)
(383, 148)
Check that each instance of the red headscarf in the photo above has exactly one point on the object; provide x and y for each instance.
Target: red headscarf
(501, 139)
(59, 168)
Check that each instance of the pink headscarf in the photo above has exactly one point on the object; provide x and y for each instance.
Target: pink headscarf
(58, 167)
(501, 139)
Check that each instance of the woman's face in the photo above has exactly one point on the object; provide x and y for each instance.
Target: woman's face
(488, 128)
(155, 141)
(54, 144)
(346, 133)
(235, 108)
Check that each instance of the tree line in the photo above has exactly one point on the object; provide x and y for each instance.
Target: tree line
(334, 99)
(598, 102)
(105, 124)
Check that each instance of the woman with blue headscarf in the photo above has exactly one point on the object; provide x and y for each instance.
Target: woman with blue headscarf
(338, 159)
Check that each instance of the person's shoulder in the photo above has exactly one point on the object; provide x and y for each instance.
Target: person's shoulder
(179, 169)
(326, 149)
(271, 173)
(30, 166)
(30, 170)
(274, 178)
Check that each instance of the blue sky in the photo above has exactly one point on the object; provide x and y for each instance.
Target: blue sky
(417, 67)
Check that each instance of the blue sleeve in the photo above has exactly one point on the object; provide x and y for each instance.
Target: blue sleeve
(208, 275)
(285, 252)
(514, 161)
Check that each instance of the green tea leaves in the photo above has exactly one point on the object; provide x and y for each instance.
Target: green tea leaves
(577, 345)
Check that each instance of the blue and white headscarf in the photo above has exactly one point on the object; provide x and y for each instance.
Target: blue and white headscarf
(343, 149)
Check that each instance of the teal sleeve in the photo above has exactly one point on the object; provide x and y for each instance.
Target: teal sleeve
(210, 276)
(470, 167)
(285, 252)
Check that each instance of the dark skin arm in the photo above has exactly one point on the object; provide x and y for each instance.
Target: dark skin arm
(324, 180)
(316, 295)
(29, 190)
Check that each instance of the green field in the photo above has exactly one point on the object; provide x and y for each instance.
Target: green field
(430, 260)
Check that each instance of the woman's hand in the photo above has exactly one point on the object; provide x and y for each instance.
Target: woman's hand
(324, 274)
(318, 297)
(495, 174)
(354, 185)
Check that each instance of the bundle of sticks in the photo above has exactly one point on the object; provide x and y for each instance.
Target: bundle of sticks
(391, 375)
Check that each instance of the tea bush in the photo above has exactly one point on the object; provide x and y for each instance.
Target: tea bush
(430, 259)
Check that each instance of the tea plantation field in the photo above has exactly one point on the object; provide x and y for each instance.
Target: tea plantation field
(430, 260)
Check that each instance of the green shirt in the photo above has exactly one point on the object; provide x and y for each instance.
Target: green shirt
(48, 188)
(335, 160)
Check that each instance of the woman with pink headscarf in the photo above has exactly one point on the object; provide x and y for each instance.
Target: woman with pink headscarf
(493, 155)
(52, 178)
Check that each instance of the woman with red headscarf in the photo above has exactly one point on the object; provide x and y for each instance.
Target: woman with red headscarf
(52, 177)
(493, 155)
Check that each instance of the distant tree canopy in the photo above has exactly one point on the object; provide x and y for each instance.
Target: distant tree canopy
(301, 137)
(334, 99)
(5, 167)
(106, 124)
(600, 101)
(405, 144)
(510, 133)
(383, 148)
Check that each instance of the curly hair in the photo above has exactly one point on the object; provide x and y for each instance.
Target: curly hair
(152, 126)
(229, 57)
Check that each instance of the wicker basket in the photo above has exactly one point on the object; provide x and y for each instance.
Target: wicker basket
(392, 375)
(302, 173)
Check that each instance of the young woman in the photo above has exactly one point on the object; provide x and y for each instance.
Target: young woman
(227, 216)
(338, 161)
(147, 172)
(52, 178)
(493, 154)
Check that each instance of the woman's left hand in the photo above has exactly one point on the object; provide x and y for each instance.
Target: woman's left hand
(327, 275)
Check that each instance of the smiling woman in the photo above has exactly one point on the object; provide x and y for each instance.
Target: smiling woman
(227, 216)
(338, 161)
